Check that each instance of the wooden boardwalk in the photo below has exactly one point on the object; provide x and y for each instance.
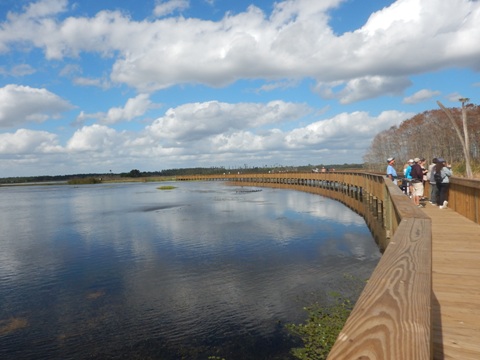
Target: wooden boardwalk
(456, 285)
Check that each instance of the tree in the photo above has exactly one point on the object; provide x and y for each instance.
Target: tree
(135, 173)
(464, 140)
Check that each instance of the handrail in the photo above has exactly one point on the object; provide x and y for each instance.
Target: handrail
(464, 197)
(392, 317)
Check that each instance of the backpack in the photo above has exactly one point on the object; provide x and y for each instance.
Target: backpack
(437, 177)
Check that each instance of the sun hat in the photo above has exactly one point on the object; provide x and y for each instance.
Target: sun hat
(410, 161)
(390, 159)
(440, 160)
(416, 160)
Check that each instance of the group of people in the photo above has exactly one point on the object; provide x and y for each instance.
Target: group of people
(416, 175)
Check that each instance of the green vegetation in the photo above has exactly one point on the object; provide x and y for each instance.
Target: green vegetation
(321, 328)
(84, 181)
(325, 321)
(170, 174)
(166, 187)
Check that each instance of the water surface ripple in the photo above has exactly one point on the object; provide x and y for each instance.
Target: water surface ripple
(128, 271)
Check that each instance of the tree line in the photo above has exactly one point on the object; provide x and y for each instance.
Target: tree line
(135, 173)
(429, 134)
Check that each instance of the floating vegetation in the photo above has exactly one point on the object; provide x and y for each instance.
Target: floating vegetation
(166, 187)
(10, 325)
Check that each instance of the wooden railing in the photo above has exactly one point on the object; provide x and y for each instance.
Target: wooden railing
(392, 317)
(464, 198)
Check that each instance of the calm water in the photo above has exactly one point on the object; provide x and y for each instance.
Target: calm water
(128, 271)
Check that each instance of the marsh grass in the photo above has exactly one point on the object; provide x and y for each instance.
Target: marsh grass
(166, 187)
(84, 181)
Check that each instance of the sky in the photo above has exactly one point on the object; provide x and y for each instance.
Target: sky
(114, 85)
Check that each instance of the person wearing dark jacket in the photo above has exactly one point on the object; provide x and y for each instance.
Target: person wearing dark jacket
(417, 181)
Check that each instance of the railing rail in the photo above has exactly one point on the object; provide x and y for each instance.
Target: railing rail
(392, 317)
(464, 197)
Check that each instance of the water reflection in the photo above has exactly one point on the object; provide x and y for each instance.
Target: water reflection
(127, 270)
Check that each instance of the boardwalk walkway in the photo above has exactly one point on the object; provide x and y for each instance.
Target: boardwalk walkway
(456, 285)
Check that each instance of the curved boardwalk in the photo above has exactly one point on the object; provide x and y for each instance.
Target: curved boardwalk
(456, 285)
(423, 299)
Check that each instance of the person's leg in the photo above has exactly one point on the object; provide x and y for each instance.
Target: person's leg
(438, 197)
(421, 191)
(433, 188)
(417, 192)
(433, 193)
(444, 196)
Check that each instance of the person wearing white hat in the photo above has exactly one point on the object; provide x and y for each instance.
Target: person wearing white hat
(391, 172)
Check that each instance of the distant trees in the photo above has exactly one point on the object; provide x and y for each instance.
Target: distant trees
(429, 134)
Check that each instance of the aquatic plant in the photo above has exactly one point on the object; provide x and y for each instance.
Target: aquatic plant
(166, 187)
(325, 321)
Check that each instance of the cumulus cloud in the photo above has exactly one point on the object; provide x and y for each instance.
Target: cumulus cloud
(134, 108)
(291, 46)
(25, 141)
(96, 146)
(94, 138)
(346, 131)
(419, 96)
(197, 121)
(167, 7)
(21, 104)
(364, 88)
(294, 41)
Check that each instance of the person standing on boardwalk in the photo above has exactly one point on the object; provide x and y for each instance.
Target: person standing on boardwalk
(433, 184)
(391, 172)
(441, 175)
(417, 181)
(407, 175)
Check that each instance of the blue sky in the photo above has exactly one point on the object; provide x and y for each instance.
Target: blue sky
(115, 85)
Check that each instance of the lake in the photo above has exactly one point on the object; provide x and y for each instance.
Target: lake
(128, 271)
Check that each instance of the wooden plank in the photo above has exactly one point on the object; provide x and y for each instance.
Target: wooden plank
(456, 285)
(380, 326)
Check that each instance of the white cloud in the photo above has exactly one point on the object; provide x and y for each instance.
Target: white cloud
(288, 49)
(22, 70)
(344, 131)
(197, 121)
(98, 147)
(95, 138)
(100, 83)
(167, 7)
(419, 96)
(295, 41)
(368, 87)
(25, 141)
(454, 97)
(134, 108)
(21, 104)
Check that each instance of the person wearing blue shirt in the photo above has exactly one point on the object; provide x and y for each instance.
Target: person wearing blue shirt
(407, 172)
(391, 173)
